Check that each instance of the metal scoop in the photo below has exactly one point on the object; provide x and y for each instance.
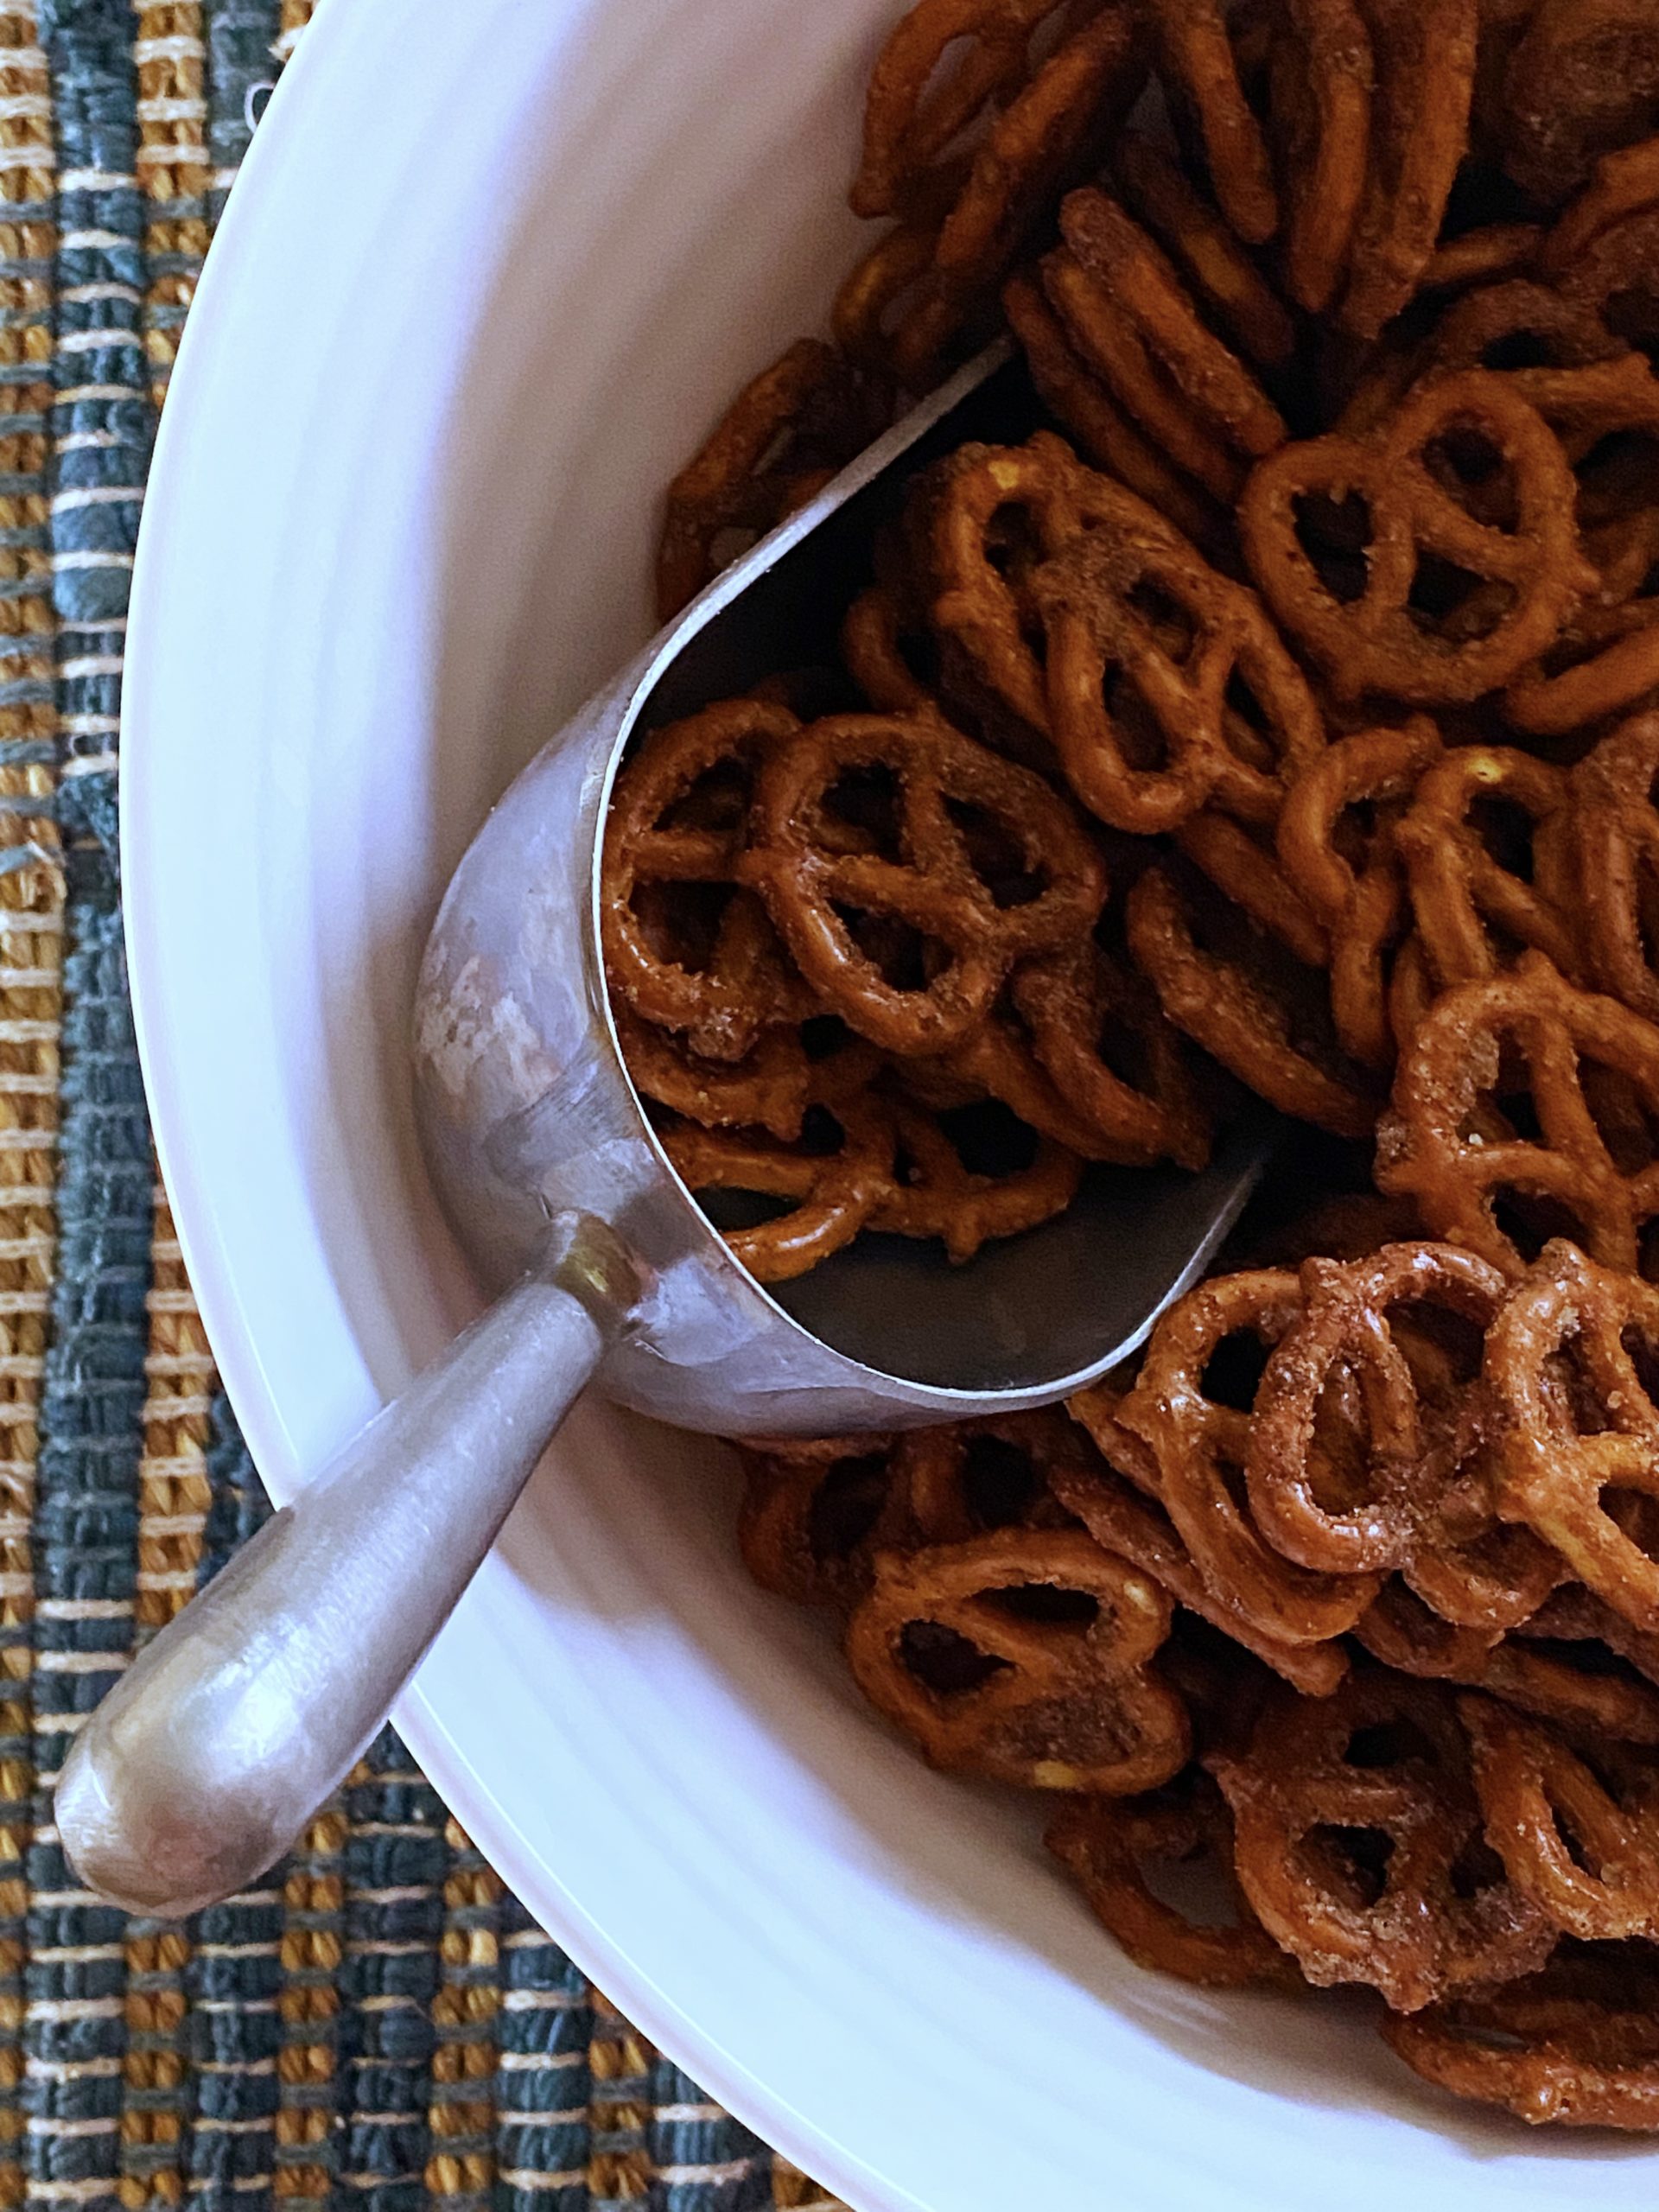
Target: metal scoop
(201, 1767)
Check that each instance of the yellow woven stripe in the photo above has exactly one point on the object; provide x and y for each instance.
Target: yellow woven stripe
(31, 909)
(155, 2013)
(618, 2052)
(173, 168)
(792, 2190)
(309, 2007)
(461, 2114)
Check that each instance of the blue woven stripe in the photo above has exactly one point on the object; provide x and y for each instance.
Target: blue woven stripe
(86, 1518)
(724, 2167)
(240, 34)
(394, 1917)
(552, 2018)
(99, 371)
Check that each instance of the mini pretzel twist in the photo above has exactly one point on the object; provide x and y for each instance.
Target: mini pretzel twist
(1577, 2043)
(1383, 1758)
(812, 868)
(1352, 1348)
(1051, 1697)
(1201, 1447)
(678, 817)
(1581, 1434)
(1109, 1844)
(1371, 642)
(1351, 876)
(1469, 907)
(1449, 1147)
(1535, 1791)
(834, 1192)
(1615, 840)
(1147, 649)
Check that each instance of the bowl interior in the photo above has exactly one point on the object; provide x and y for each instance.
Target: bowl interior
(446, 363)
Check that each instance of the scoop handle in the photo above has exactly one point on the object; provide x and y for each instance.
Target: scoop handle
(204, 1763)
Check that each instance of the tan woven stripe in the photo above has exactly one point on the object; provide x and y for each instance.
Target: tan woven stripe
(308, 2006)
(462, 2114)
(173, 166)
(31, 909)
(174, 1489)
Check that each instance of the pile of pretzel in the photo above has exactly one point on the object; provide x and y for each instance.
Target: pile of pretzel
(1351, 1591)
(1282, 715)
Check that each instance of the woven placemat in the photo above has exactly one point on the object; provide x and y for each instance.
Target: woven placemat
(380, 2020)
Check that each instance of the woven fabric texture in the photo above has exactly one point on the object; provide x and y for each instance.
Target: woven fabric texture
(379, 2021)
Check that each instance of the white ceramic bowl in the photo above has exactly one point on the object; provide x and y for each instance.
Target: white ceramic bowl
(475, 296)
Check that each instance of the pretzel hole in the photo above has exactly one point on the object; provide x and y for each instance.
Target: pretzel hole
(1248, 727)
(1454, 603)
(988, 1137)
(996, 854)
(1194, 1884)
(1627, 1125)
(904, 959)
(1013, 551)
(1632, 314)
(846, 1505)
(681, 922)
(1137, 735)
(1476, 1867)
(1636, 1516)
(944, 1662)
(1506, 830)
(1531, 1218)
(1389, 1743)
(1233, 1372)
(717, 799)
(1350, 1864)
(1336, 534)
(999, 1482)
(1583, 1857)
(1046, 1604)
(1173, 627)
(1443, 1348)
(1340, 1468)
(1472, 470)
(1619, 474)
(861, 811)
